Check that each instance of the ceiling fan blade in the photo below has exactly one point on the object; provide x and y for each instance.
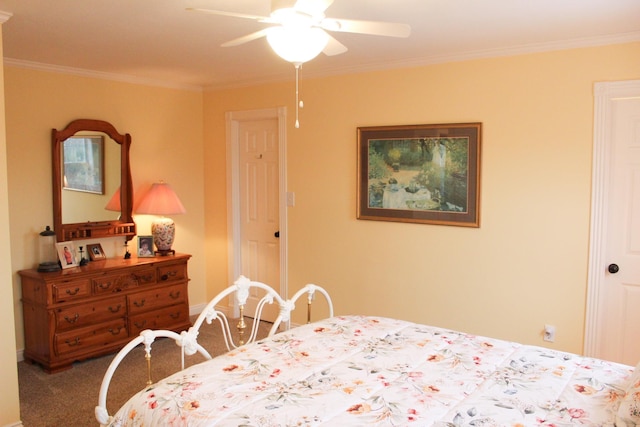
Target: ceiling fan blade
(391, 29)
(232, 14)
(245, 39)
(334, 47)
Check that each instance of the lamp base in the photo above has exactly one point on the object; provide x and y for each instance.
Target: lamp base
(165, 252)
(163, 231)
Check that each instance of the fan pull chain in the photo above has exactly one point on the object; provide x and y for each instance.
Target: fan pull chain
(299, 104)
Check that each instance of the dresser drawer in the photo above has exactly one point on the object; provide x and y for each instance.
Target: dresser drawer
(113, 283)
(91, 313)
(155, 298)
(164, 318)
(90, 337)
(172, 272)
(146, 276)
(70, 290)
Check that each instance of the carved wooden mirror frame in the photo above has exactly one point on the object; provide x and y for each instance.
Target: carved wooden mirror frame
(124, 226)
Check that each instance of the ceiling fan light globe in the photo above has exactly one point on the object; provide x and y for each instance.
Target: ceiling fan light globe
(297, 45)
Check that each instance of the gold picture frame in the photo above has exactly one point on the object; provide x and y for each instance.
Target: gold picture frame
(427, 174)
(95, 252)
(145, 247)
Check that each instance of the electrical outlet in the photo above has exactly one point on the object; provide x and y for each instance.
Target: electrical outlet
(549, 333)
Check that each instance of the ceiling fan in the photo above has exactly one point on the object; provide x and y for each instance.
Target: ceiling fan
(299, 29)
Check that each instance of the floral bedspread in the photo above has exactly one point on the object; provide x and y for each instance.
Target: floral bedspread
(373, 371)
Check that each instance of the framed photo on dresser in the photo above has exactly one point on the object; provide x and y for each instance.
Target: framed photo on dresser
(67, 254)
(95, 252)
(145, 246)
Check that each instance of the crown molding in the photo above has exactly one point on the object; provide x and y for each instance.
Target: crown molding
(98, 74)
(333, 71)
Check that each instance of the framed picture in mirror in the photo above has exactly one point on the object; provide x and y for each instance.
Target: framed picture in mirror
(83, 163)
(95, 252)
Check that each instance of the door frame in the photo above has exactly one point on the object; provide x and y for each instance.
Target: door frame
(604, 95)
(233, 120)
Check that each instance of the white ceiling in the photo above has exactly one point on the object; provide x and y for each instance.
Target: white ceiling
(159, 41)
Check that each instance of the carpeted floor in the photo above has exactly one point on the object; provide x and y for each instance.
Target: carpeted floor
(68, 398)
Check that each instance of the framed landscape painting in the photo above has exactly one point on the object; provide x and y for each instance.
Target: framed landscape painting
(426, 174)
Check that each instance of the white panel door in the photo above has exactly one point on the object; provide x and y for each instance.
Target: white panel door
(614, 289)
(259, 198)
(621, 339)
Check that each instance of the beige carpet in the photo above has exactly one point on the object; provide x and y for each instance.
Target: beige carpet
(68, 398)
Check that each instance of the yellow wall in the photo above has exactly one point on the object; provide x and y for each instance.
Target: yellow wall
(167, 144)
(9, 404)
(527, 263)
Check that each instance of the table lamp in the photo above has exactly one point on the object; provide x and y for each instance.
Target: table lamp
(162, 200)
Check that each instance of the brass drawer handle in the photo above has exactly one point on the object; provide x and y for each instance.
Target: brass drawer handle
(174, 295)
(145, 278)
(168, 275)
(175, 315)
(73, 343)
(115, 309)
(115, 331)
(72, 292)
(104, 285)
(140, 325)
(72, 320)
(140, 303)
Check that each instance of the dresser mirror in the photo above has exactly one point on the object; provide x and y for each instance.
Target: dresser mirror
(92, 187)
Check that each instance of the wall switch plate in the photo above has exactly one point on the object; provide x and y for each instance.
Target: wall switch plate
(291, 198)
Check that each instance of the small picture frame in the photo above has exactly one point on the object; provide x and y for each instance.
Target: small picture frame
(95, 252)
(67, 254)
(145, 246)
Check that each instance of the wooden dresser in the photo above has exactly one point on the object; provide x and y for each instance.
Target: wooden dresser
(88, 311)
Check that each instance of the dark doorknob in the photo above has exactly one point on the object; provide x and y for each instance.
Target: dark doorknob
(276, 234)
(613, 268)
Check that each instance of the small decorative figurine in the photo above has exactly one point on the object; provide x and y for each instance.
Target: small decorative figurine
(83, 260)
(127, 254)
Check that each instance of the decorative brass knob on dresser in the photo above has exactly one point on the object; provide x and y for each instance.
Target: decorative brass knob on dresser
(72, 320)
(140, 325)
(168, 275)
(115, 331)
(73, 343)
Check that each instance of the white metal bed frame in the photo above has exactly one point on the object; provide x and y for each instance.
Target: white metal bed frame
(187, 340)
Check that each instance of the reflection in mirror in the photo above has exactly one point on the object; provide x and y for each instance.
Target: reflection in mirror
(90, 166)
(90, 177)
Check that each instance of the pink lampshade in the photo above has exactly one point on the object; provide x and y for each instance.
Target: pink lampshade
(114, 202)
(161, 200)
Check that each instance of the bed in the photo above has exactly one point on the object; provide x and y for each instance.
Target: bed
(375, 371)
